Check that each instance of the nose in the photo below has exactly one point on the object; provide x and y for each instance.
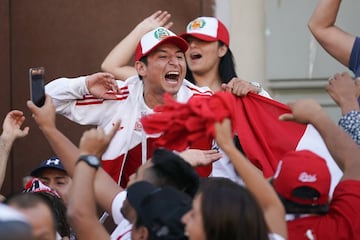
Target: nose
(184, 218)
(174, 60)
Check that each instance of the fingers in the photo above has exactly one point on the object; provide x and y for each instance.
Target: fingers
(286, 117)
(31, 106)
(24, 132)
(114, 129)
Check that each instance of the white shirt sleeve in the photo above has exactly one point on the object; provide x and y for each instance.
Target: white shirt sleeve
(71, 99)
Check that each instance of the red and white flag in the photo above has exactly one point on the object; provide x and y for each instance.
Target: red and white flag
(264, 138)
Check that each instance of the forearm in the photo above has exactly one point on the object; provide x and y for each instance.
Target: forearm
(324, 15)
(5, 148)
(62, 147)
(340, 145)
(333, 39)
(68, 153)
(264, 193)
(117, 61)
(82, 206)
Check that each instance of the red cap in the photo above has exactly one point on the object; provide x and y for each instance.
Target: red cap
(156, 37)
(207, 29)
(302, 169)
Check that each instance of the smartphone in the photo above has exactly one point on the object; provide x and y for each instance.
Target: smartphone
(37, 83)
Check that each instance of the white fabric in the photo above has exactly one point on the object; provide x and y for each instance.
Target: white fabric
(9, 214)
(311, 140)
(223, 167)
(203, 25)
(275, 236)
(153, 38)
(123, 228)
(71, 99)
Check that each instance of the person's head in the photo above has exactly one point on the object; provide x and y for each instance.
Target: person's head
(166, 168)
(52, 173)
(302, 181)
(160, 61)
(159, 211)
(55, 202)
(38, 213)
(223, 209)
(13, 224)
(209, 51)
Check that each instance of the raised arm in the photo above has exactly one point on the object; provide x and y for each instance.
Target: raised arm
(117, 61)
(11, 131)
(81, 209)
(334, 40)
(82, 204)
(105, 187)
(264, 193)
(342, 148)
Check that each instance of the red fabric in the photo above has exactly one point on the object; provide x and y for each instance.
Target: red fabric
(263, 137)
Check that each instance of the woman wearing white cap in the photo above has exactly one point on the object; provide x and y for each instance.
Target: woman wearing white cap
(209, 58)
(209, 63)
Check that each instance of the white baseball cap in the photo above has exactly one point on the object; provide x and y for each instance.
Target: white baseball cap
(156, 37)
(208, 29)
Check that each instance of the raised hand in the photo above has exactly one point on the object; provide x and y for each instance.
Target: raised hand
(303, 111)
(157, 19)
(44, 116)
(95, 141)
(344, 91)
(102, 85)
(12, 126)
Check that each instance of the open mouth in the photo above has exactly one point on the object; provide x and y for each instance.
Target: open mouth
(172, 76)
(195, 56)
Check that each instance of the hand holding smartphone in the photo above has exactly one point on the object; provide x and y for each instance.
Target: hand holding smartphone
(37, 83)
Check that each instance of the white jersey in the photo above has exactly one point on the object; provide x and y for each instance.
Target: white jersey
(73, 100)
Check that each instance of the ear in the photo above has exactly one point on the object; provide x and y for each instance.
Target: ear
(222, 50)
(140, 68)
(140, 233)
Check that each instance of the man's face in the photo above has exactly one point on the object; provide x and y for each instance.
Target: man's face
(57, 180)
(139, 174)
(41, 221)
(164, 72)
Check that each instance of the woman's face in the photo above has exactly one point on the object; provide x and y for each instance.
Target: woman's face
(203, 57)
(194, 227)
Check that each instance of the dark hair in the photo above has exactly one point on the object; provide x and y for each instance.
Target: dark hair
(169, 169)
(56, 205)
(26, 200)
(59, 209)
(305, 193)
(230, 211)
(144, 59)
(226, 67)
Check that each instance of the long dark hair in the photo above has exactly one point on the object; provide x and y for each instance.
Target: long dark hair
(226, 67)
(230, 211)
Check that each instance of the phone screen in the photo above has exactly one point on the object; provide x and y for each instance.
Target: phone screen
(37, 81)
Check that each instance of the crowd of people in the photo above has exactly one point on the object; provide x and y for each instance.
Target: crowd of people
(208, 189)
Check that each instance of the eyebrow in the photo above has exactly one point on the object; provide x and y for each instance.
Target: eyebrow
(165, 51)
